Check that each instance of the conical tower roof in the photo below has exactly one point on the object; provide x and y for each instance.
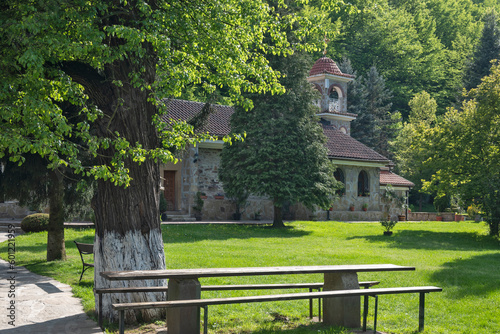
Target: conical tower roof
(326, 65)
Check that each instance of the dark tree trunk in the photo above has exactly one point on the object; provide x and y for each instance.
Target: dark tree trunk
(278, 218)
(128, 233)
(55, 238)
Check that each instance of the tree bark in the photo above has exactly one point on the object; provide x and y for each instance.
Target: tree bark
(278, 218)
(128, 233)
(55, 237)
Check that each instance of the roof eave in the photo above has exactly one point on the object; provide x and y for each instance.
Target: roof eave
(358, 162)
(323, 76)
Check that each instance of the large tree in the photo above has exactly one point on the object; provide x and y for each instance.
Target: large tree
(35, 186)
(369, 98)
(283, 156)
(465, 150)
(415, 45)
(486, 50)
(410, 147)
(114, 61)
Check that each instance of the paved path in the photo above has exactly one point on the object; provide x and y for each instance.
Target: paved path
(39, 304)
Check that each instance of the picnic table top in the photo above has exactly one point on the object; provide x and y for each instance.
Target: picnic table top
(246, 271)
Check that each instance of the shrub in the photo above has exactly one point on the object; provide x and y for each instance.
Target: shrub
(388, 225)
(163, 203)
(35, 223)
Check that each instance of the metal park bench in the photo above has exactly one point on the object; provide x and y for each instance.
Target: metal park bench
(85, 249)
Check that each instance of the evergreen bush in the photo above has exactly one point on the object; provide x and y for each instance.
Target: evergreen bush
(35, 223)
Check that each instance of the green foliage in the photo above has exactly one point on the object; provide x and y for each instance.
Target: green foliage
(441, 202)
(283, 155)
(486, 50)
(388, 224)
(415, 45)
(30, 184)
(36, 222)
(411, 146)
(109, 60)
(370, 100)
(163, 203)
(465, 151)
(198, 203)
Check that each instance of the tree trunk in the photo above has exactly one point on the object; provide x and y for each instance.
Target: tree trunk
(128, 231)
(278, 218)
(55, 237)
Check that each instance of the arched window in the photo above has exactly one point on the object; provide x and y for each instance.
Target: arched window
(363, 184)
(334, 94)
(339, 176)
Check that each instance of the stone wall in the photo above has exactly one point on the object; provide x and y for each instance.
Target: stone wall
(199, 171)
(11, 209)
(430, 216)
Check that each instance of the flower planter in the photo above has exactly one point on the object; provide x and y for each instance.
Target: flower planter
(439, 218)
(388, 233)
(351, 208)
(401, 218)
(218, 197)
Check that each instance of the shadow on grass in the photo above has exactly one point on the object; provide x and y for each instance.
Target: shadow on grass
(192, 233)
(317, 328)
(423, 239)
(475, 276)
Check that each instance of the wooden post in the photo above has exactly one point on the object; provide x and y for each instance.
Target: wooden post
(342, 311)
(183, 320)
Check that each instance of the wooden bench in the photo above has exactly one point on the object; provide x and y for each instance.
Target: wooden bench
(310, 286)
(85, 249)
(204, 303)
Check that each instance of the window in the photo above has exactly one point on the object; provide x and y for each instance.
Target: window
(334, 95)
(339, 176)
(363, 184)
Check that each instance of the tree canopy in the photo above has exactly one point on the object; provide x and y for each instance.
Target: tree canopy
(51, 49)
(114, 63)
(465, 151)
(283, 156)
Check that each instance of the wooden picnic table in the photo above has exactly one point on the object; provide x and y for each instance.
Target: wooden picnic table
(184, 284)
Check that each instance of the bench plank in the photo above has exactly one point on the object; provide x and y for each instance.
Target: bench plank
(422, 290)
(247, 271)
(310, 286)
(280, 297)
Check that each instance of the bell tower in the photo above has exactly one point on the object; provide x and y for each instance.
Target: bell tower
(331, 83)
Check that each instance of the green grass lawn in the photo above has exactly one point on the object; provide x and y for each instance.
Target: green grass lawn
(459, 257)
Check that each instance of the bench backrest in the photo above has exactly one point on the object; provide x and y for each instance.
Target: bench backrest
(85, 248)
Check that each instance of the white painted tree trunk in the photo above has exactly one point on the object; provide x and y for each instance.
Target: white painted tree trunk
(136, 252)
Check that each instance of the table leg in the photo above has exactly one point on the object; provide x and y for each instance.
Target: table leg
(183, 320)
(341, 311)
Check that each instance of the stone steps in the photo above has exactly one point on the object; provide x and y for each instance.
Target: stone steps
(7, 226)
(179, 216)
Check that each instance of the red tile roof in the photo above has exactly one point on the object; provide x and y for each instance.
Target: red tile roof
(388, 177)
(343, 146)
(218, 120)
(326, 65)
(340, 145)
